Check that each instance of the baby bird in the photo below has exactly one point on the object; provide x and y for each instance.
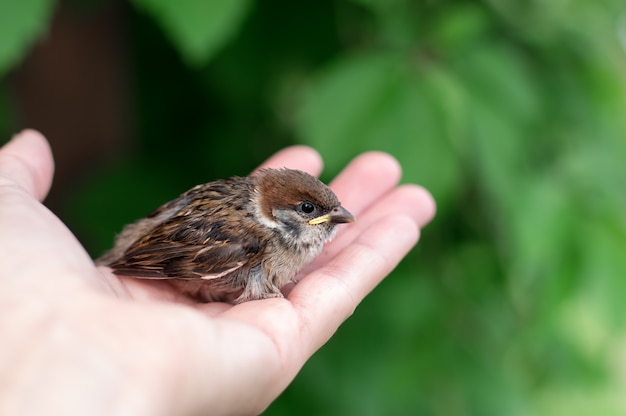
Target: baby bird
(232, 240)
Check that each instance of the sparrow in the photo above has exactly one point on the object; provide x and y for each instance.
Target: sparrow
(232, 240)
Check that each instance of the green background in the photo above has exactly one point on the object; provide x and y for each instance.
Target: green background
(513, 113)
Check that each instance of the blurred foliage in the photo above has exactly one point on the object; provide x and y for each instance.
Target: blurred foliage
(197, 28)
(21, 22)
(511, 112)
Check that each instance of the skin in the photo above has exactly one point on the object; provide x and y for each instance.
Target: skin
(77, 339)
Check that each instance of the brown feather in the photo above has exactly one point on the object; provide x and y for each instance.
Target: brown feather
(235, 239)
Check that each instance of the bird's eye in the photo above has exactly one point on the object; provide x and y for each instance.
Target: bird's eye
(307, 207)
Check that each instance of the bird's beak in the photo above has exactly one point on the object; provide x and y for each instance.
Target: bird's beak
(338, 215)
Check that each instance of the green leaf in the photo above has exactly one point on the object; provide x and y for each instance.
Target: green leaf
(380, 103)
(22, 22)
(499, 78)
(460, 27)
(541, 244)
(341, 103)
(604, 267)
(198, 28)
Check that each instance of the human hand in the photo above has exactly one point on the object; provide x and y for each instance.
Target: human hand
(78, 339)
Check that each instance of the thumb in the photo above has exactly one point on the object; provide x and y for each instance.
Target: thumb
(26, 162)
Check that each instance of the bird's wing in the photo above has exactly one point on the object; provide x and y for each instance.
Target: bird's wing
(201, 249)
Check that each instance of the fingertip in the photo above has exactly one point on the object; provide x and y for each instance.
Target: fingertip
(388, 166)
(309, 156)
(366, 178)
(383, 164)
(303, 149)
(27, 160)
(424, 202)
(29, 137)
(298, 157)
(402, 225)
(397, 230)
(375, 166)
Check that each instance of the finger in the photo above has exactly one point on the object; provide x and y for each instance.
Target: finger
(365, 180)
(318, 306)
(330, 294)
(26, 161)
(410, 200)
(426, 208)
(296, 157)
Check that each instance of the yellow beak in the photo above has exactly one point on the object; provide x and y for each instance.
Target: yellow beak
(338, 215)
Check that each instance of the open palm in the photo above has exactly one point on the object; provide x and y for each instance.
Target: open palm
(89, 342)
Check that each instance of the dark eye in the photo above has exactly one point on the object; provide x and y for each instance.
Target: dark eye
(307, 207)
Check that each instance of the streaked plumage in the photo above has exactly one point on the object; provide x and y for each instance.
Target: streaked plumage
(234, 239)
